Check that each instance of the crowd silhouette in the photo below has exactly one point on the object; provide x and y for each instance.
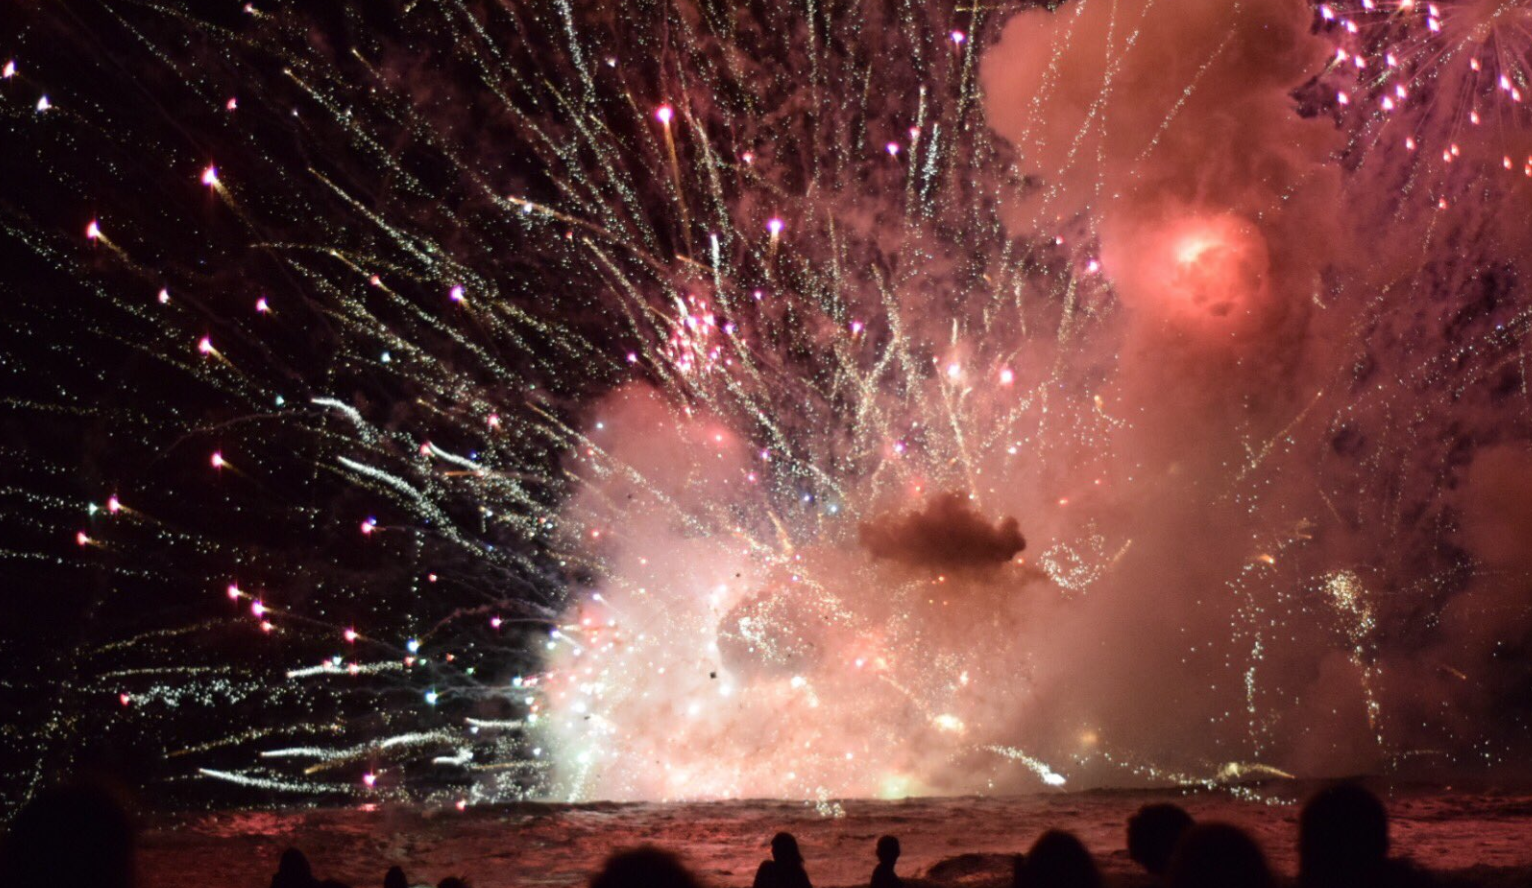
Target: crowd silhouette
(80, 837)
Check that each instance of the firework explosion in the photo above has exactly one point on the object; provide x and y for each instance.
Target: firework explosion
(706, 399)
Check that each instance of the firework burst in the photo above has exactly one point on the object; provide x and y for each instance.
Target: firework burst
(699, 399)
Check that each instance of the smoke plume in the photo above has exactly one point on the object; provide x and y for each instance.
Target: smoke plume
(947, 533)
(1206, 450)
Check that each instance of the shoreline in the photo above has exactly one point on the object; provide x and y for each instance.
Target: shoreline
(1471, 836)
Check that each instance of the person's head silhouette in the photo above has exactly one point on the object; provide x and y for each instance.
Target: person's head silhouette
(646, 867)
(784, 849)
(1342, 835)
(888, 850)
(293, 870)
(394, 878)
(72, 837)
(1217, 855)
(1153, 832)
(1057, 860)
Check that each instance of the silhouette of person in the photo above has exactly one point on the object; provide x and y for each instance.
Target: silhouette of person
(785, 868)
(293, 871)
(71, 837)
(1056, 860)
(1342, 836)
(394, 878)
(1343, 840)
(1217, 855)
(644, 867)
(883, 875)
(452, 882)
(1153, 832)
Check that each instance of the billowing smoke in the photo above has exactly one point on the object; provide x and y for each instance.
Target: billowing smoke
(1203, 458)
(947, 533)
(1169, 131)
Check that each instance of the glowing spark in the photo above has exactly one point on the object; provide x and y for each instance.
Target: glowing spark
(949, 723)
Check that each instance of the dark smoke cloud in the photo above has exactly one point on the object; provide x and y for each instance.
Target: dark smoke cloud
(949, 533)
